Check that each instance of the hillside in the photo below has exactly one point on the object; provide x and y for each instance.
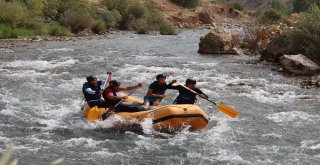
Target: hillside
(206, 13)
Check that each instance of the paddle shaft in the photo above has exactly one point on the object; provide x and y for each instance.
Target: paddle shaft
(107, 78)
(196, 93)
(223, 108)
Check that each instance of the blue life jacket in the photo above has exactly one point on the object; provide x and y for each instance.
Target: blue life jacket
(91, 97)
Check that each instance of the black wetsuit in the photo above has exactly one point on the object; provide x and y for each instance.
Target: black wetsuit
(185, 96)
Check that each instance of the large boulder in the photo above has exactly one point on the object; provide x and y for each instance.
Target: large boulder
(275, 49)
(219, 41)
(299, 64)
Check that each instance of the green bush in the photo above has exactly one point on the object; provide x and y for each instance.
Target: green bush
(136, 16)
(76, 20)
(153, 15)
(237, 6)
(140, 25)
(109, 18)
(304, 37)
(116, 14)
(167, 29)
(50, 10)
(187, 3)
(98, 27)
(39, 28)
(7, 31)
(57, 30)
(271, 16)
(54, 9)
(130, 14)
(120, 5)
(137, 10)
(21, 13)
(12, 13)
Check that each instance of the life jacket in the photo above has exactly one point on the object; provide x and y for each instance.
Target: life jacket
(185, 97)
(107, 100)
(91, 97)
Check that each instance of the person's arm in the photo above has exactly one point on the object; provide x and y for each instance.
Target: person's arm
(170, 85)
(131, 87)
(201, 94)
(151, 94)
(109, 74)
(90, 91)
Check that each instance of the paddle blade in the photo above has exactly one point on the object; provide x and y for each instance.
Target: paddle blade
(227, 110)
(93, 113)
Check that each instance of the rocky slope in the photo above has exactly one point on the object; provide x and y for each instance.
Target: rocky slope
(255, 5)
(208, 13)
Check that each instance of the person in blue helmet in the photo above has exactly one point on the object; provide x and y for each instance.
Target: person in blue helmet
(92, 91)
(156, 91)
(185, 96)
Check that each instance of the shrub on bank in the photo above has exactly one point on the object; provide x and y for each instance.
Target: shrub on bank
(167, 29)
(187, 3)
(7, 31)
(137, 15)
(98, 27)
(140, 25)
(138, 10)
(304, 36)
(53, 10)
(22, 13)
(111, 18)
(76, 20)
(12, 13)
(121, 6)
(57, 30)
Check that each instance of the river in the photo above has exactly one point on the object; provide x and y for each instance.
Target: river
(278, 121)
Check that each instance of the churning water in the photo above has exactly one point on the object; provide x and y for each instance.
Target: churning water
(278, 121)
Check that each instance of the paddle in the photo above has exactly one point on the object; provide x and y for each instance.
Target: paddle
(112, 109)
(94, 112)
(223, 108)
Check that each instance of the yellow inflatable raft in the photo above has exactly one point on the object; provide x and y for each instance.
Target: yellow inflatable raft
(164, 118)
